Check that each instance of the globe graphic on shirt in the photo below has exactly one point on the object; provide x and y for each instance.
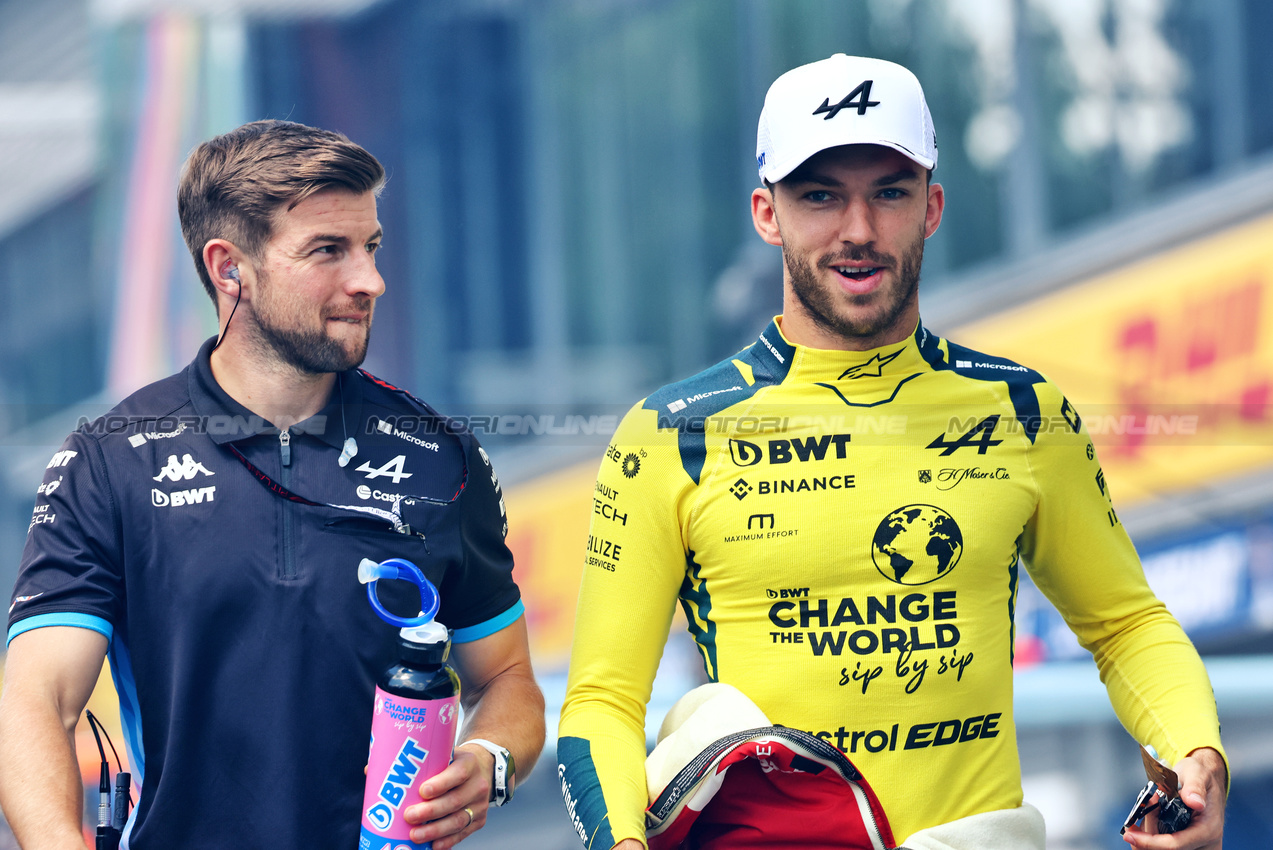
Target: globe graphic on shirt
(917, 544)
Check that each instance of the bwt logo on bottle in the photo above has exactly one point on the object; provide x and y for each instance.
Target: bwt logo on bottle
(397, 782)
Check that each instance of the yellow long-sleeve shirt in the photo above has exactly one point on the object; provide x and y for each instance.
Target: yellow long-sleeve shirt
(843, 531)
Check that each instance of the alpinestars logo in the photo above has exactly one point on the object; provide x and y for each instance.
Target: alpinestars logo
(185, 470)
(872, 368)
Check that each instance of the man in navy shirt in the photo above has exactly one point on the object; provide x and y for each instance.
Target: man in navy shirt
(206, 535)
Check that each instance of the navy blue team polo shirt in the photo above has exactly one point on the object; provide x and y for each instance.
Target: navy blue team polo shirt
(242, 645)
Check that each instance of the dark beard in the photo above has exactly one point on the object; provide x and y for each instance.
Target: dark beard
(308, 352)
(820, 303)
(311, 352)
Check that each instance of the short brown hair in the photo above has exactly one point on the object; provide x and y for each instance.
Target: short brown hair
(232, 185)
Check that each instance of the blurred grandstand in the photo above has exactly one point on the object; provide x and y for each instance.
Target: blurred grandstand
(568, 229)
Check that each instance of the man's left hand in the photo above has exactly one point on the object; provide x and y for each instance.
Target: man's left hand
(455, 801)
(1203, 778)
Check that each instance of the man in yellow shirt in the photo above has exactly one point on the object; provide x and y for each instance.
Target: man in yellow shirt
(796, 500)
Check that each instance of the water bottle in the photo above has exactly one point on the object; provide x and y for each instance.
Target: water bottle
(415, 714)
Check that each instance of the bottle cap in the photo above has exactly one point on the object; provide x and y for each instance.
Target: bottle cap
(430, 633)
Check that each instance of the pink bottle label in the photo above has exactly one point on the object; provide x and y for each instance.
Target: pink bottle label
(411, 741)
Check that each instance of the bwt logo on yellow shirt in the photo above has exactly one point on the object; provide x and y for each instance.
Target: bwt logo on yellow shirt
(785, 451)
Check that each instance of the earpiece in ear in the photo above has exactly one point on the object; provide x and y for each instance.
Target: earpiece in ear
(230, 271)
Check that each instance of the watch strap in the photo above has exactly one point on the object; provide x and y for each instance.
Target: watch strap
(504, 778)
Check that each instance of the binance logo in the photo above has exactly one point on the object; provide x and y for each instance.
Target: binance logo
(740, 489)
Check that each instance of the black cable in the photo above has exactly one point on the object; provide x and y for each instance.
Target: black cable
(110, 819)
(223, 333)
(96, 724)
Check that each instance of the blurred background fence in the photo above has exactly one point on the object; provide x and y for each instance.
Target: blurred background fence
(567, 228)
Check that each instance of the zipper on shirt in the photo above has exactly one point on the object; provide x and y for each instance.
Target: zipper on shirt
(285, 454)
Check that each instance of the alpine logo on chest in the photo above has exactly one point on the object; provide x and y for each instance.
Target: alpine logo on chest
(395, 469)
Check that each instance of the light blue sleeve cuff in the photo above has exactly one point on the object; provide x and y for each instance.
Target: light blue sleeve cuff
(79, 621)
(490, 627)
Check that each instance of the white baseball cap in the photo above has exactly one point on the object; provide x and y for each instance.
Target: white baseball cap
(843, 100)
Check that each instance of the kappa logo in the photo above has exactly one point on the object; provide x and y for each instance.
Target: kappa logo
(393, 469)
(184, 470)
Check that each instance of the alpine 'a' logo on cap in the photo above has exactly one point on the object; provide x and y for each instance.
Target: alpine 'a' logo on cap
(860, 98)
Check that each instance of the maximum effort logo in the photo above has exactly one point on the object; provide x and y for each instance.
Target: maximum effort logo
(917, 544)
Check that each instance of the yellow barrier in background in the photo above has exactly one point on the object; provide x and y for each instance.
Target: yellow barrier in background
(1169, 360)
(548, 533)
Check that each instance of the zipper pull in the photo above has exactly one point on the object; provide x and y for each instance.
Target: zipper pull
(285, 446)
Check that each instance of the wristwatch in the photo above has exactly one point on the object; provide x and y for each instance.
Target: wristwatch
(505, 771)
